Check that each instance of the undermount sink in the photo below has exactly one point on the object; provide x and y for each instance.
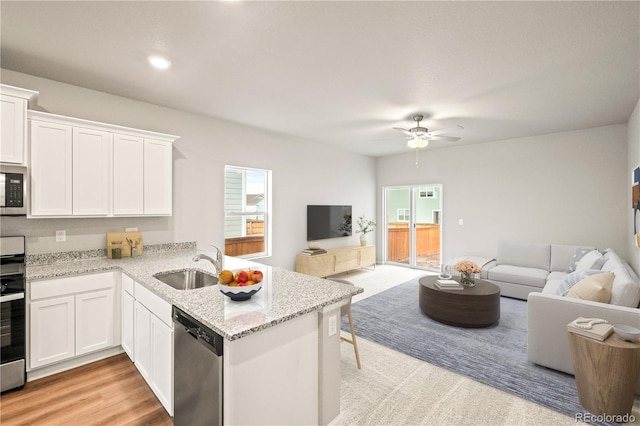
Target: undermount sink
(187, 279)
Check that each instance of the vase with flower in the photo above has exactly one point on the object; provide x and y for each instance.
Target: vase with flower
(364, 227)
(467, 270)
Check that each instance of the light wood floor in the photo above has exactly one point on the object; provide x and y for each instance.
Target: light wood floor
(107, 392)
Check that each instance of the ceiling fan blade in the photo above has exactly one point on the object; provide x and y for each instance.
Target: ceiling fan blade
(445, 138)
(405, 131)
(447, 130)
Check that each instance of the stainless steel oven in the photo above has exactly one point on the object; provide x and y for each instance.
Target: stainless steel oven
(13, 190)
(12, 313)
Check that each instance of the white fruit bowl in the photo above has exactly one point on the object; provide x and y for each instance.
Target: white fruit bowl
(626, 332)
(240, 293)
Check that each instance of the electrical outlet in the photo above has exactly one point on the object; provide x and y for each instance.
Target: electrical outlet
(333, 325)
(460, 222)
(130, 229)
(61, 236)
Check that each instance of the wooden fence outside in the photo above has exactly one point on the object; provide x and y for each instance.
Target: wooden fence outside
(255, 227)
(427, 240)
(244, 245)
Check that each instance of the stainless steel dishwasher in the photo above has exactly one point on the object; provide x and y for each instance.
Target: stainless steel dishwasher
(197, 372)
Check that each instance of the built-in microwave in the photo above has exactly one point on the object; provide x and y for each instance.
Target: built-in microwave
(13, 190)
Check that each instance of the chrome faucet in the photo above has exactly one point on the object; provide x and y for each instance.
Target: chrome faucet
(217, 262)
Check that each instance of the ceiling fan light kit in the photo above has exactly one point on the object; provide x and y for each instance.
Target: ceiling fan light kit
(417, 143)
(419, 136)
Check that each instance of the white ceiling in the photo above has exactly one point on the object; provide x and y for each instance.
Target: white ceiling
(345, 73)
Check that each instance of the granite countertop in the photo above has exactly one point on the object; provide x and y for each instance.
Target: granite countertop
(284, 295)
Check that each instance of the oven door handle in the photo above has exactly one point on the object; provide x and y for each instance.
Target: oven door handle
(11, 297)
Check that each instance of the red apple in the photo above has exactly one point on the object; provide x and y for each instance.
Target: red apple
(242, 277)
(256, 276)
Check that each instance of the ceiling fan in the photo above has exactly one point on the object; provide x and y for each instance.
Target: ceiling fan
(419, 136)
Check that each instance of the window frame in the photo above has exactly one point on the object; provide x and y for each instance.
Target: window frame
(405, 213)
(265, 212)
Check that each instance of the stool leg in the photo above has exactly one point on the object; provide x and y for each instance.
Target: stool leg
(353, 339)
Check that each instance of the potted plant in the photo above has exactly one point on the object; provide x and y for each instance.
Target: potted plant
(364, 227)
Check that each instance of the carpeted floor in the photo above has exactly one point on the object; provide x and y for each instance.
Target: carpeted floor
(495, 356)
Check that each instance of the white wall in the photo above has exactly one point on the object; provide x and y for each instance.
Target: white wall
(303, 173)
(565, 188)
(634, 161)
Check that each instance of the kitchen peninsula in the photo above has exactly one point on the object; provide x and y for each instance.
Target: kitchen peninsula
(281, 358)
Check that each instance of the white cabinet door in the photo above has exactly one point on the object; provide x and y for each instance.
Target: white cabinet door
(157, 177)
(52, 330)
(94, 321)
(51, 169)
(142, 343)
(128, 313)
(128, 175)
(91, 172)
(12, 115)
(162, 362)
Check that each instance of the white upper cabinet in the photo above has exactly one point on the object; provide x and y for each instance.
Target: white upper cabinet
(13, 125)
(128, 175)
(86, 169)
(157, 177)
(51, 169)
(91, 172)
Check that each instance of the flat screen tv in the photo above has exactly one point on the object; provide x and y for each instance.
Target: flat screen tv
(328, 222)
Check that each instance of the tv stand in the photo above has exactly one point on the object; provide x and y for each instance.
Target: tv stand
(336, 260)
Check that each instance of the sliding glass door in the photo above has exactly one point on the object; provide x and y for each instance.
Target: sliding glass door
(412, 221)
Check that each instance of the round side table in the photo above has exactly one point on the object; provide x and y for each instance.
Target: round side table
(606, 373)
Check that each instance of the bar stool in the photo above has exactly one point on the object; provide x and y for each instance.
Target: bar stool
(346, 310)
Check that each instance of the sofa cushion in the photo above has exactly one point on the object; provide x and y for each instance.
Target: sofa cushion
(553, 281)
(528, 255)
(572, 279)
(596, 288)
(591, 260)
(519, 275)
(626, 286)
(562, 255)
(579, 253)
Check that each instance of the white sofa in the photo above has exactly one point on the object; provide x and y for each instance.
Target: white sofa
(522, 268)
(534, 272)
(549, 313)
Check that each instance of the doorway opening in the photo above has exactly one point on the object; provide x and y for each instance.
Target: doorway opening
(412, 225)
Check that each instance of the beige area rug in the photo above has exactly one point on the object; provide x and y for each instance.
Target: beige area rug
(395, 389)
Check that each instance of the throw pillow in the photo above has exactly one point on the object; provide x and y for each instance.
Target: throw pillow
(572, 279)
(588, 261)
(576, 258)
(596, 288)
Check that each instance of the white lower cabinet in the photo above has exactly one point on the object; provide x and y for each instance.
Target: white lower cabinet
(153, 343)
(94, 321)
(128, 312)
(142, 339)
(70, 317)
(162, 362)
(52, 330)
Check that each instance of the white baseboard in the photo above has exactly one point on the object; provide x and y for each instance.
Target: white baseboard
(59, 367)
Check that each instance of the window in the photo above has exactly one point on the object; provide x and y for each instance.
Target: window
(427, 192)
(403, 215)
(247, 211)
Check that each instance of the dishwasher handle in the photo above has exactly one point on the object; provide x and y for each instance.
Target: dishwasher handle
(193, 331)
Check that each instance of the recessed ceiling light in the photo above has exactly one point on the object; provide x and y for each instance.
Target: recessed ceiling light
(159, 62)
